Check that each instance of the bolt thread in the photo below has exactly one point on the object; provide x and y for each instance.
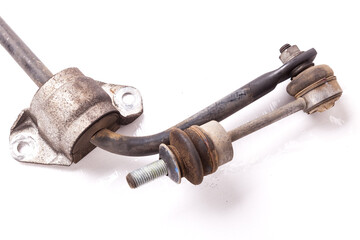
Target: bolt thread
(146, 174)
(284, 47)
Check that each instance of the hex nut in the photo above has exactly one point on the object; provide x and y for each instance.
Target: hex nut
(289, 53)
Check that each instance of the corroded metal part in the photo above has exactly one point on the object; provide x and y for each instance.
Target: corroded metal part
(191, 167)
(316, 90)
(317, 86)
(64, 114)
(205, 147)
(196, 152)
(267, 119)
(27, 145)
(288, 52)
(127, 100)
(192, 153)
(322, 97)
(221, 109)
(308, 77)
(22, 54)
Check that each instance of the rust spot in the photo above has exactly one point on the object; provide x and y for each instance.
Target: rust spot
(205, 148)
(308, 77)
(191, 163)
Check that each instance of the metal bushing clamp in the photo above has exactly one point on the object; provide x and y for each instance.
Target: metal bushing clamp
(65, 113)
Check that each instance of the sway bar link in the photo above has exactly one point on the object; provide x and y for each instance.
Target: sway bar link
(199, 150)
(71, 114)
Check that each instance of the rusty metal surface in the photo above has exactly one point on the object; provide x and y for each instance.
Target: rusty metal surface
(64, 114)
(316, 90)
(288, 52)
(129, 109)
(318, 86)
(308, 77)
(210, 146)
(22, 54)
(148, 145)
(263, 121)
(192, 169)
(322, 97)
(83, 146)
(205, 147)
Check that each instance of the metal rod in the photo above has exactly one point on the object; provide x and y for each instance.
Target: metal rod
(22, 54)
(267, 119)
(140, 146)
(147, 145)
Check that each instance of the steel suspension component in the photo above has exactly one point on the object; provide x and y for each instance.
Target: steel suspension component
(199, 150)
(58, 138)
(67, 110)
(71, 114)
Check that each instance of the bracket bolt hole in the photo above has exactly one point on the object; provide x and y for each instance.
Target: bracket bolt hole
(128, 98)
(23, 147)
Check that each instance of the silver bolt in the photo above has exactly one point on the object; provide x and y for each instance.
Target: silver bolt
(147, 174)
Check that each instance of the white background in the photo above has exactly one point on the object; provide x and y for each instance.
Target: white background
(296, 179)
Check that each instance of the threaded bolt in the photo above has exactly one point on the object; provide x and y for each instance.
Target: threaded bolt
(146, 174)
(284, 47)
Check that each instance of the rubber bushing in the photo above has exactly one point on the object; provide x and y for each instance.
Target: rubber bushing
(205, 147)
(187, 155)
(308, 77)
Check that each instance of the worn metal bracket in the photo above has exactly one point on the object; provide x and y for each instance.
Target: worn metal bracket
(64, 114)
(127, 100)
(27, 144)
